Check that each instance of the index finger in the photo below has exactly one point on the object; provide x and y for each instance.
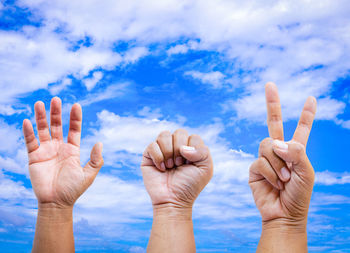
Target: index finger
(274, 114)
(303, 129)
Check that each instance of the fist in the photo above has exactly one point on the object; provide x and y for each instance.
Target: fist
(176, 168)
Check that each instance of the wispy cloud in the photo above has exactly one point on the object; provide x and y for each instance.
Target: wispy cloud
(110, 92)
(332, 178)
(215, 78)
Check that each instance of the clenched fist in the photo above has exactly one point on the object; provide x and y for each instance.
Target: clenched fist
(176, 168)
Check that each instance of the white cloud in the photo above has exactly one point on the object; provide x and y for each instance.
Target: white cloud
(29, 61)
(344, 123)
(323, 199)
(108, 192)
(182, 48)
(56, 89)
(9, 164)
(9, 110)
(12, 135)
(178, 49)
(332, 178)
(125, 139)
(304, 54)
(92, 81)
(13, 156)
(134, 54)
(110, 92)
(14, 191)
(328, 108)
(147, 112)
(215, 78)
(137, 249)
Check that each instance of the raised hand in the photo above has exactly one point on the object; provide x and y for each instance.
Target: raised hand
(282, 177)
(55, 171)
(175, 168)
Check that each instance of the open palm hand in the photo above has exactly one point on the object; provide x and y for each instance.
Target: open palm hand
(55, 171)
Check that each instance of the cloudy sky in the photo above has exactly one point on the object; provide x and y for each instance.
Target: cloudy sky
(138, 67)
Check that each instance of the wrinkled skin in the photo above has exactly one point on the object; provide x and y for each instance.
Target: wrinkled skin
(55, 171)
(279, 196)
(176, 183)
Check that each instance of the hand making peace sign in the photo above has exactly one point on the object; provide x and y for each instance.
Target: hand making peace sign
(282, 177)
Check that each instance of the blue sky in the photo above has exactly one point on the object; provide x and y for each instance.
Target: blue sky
(140, 67)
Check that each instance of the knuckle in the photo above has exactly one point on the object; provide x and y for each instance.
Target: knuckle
(151, 147)
(275, 117)
(181, 131)
(256, 164)
(265, 144)
(163, 134)
(299, 149)
(259, 163)
(205, 152)
(195, 138)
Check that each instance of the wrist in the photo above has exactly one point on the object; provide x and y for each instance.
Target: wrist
(285, 226)
(55, 213)
(172, 212)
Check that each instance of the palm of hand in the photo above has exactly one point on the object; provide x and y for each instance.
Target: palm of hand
(55, 171)
(180, 185)
(287, 203)
(56, 174)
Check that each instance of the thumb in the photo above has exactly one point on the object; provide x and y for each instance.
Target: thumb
(294, 153)
(200, 156)
(96, 161)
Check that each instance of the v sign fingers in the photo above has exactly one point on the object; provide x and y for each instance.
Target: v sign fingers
(274, 114)
(303, 129)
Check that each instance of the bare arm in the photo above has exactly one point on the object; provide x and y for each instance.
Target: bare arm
(54, 229)
(283, 236)
(282, 180)
(56, 175)
(173, 185)
(172, 230)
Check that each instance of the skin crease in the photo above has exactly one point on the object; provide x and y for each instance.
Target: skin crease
(173, 188)
(282, 199)
(56, 175)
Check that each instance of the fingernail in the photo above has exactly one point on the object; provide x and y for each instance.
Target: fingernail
(162, 166)
(170, 163)
(178, 161)
(280, 185)
(280, 144)
(285, 173)
(188, 148)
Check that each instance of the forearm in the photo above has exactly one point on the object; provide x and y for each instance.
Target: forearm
(283, 236)
(54, 229)
(172, 230)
